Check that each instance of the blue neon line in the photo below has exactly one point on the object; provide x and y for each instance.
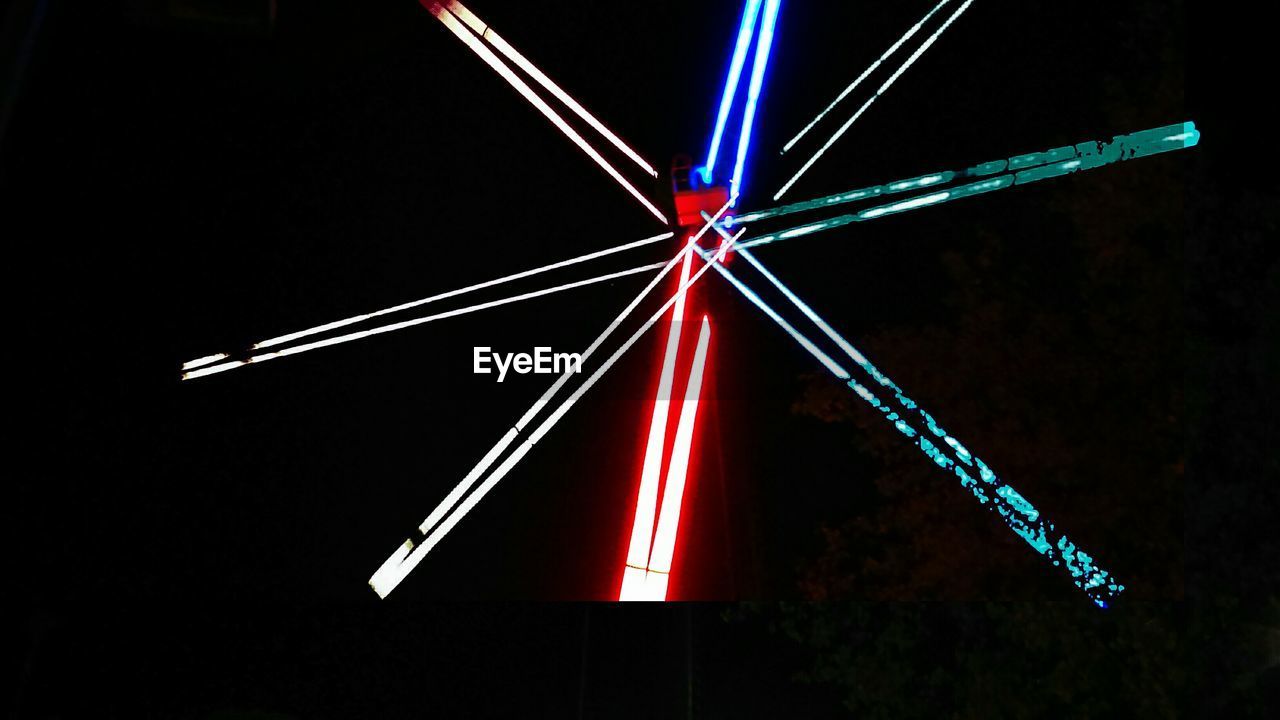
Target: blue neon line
(763, 48)
(749, 14)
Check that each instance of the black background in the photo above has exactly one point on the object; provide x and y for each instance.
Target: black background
(175, 192)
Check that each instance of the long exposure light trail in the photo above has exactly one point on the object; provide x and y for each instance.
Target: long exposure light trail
(884, 87)
(858, 81)
(647, 495)
(479, 48)
(408, 556)
(745, 32)
(290, 337)
(352, 337)
(1032, 167)
(760, 65)
(664, 537)
(488, 33)
(1018, 513)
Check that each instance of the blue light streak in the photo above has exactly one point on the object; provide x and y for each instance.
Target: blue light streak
(745, 32)
(763, 50)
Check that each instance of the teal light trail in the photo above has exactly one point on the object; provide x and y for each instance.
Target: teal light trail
(1031, 167)
(1018, 513)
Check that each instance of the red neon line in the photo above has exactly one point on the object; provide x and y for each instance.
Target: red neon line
(673, 493)
(647, 496)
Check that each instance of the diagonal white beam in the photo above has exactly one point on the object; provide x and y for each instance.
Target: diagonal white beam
(865, 73)
(887, 84)
(488, 33)
(468, 38)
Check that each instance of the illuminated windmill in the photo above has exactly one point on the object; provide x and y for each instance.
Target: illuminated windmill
(708, 228)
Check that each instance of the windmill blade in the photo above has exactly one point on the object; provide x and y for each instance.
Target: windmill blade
(355, 319)
(458, 28)
(1028, 168)
(487, 33)
(352, 337)
(858, 81)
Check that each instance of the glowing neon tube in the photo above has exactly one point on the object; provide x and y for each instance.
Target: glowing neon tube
(351, 337)
(764, 47)
(664, 539)
(892, 79)
(407, 556)
(290, 337)
(647, 495)
(852, 86)
(1087, 156)
(487, 33)
(207, 359)
(479, 48)
(745, 32)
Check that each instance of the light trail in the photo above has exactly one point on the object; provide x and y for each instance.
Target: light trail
(745, 32)
(407, 556)
(351, 337)
(764, 46)
(647, 495)
(852, 86)
(479, 48)
(664, 539)
(1035, 167)
(887, 84)
(290, 337)
(1018, 514)
(199, 362)
(487, 33)
(462, 291)
(930, 180)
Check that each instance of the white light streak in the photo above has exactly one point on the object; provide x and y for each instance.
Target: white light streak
(479, 48)
(523, 63)
(461, 291)
(840, 98)
(350, 337)
(805, 342)
(892, 79)
(830, 332)
(200, 362)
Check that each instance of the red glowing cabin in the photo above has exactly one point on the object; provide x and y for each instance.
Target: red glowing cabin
(692, 198)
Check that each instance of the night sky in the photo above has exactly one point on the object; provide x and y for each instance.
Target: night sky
(180, 189)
